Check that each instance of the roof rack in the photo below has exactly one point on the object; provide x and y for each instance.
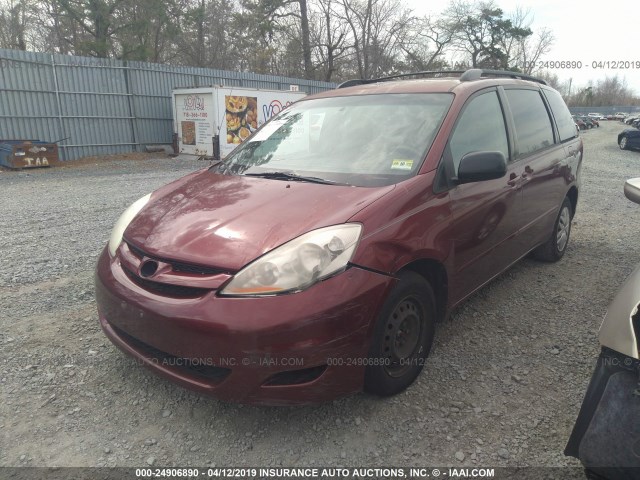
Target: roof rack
(362, 81)
(477, 73)
(465, 76)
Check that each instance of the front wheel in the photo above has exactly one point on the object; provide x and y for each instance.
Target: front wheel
(554, 248)
(402, 336)
(623, 143)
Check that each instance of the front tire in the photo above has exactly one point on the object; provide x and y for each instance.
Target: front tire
(554, 248)
(402, 336)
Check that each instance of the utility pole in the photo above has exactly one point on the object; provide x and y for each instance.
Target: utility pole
(570, 81)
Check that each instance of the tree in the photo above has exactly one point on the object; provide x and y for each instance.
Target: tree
(60, 33)
(99, 20)
(525, 51)
(379, 29)
(483, 33)
(425, 49)
(611, 91)
(553, 81)
(15, 18)
(329, 38)
(268, 16)
(205, 38)
(149, 36)
(306, 39)
(254, 38)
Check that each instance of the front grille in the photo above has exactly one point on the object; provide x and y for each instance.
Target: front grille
(176, 266)
(186, 268)
(194, 367)
(166, 289)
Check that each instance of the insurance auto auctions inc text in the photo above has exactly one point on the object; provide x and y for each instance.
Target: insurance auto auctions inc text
(278, 473)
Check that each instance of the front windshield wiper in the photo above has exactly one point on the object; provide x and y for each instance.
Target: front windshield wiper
(293, 177)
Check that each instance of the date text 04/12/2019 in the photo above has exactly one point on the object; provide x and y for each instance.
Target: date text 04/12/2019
(579, 64)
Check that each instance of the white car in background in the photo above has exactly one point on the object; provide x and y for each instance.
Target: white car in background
(597, 116)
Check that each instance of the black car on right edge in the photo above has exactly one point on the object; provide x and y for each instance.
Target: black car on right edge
(629, 138)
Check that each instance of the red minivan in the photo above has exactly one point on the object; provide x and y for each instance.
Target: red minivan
(314, 261)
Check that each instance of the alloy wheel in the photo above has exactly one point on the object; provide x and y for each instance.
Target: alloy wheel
(562, 234)
(623, 143)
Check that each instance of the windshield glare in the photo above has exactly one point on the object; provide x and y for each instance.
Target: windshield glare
(364, 140)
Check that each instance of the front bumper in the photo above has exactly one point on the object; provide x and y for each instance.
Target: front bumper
(248, 350)
(606, 435)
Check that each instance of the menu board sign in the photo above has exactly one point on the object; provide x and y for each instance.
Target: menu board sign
(195, 123)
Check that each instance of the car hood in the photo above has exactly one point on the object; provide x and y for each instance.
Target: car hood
(228, 221)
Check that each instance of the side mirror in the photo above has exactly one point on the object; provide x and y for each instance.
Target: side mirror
(480, 166)
(632, 189)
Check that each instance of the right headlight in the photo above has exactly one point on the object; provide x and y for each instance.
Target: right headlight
(123, 222)
(298, 264)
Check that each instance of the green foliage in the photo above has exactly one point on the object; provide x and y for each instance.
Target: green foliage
(484, 33)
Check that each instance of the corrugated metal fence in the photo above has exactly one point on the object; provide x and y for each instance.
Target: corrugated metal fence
(104, 106)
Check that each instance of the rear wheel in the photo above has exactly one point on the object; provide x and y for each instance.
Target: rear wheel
(623, 143)
(402, 337)
(553, 250)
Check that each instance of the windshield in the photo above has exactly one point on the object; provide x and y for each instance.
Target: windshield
(364, 140)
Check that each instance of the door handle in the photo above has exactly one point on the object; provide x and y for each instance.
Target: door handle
(514, 180)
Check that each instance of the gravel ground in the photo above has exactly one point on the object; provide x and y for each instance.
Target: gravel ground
(503, 385)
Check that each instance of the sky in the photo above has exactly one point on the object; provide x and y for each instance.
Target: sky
(582, 34)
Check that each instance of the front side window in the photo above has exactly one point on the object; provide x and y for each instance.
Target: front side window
(481, 128)
(364, 140)
(532, 123)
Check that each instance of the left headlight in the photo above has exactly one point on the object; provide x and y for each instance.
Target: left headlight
(123, 222)
(298, 264)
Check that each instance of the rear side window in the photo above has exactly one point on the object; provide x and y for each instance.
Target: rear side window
(532, 123)
(566, 125)
(481, 128)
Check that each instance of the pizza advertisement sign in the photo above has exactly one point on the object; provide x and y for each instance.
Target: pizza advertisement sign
(241, 116)
(245, 111)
